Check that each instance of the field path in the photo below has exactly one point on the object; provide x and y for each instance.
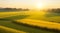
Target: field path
(51, 25)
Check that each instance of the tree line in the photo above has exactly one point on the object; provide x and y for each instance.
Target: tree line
(13, 9)
(57, 10)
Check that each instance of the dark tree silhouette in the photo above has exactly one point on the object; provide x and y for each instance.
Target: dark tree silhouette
(54, 10)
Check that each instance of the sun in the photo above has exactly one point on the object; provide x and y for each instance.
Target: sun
(39, 5)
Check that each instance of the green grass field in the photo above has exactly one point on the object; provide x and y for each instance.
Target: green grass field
(7, 18)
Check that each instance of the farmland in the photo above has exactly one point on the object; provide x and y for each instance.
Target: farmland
(8, 25)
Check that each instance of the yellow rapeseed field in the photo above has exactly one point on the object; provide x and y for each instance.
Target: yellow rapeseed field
(50, 25)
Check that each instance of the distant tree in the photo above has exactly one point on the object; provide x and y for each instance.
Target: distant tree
(58, 10)
(13, 9)
(20, 9)
(7, 8)
(54, 10)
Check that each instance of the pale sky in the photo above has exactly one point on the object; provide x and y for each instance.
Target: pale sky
(29, 3)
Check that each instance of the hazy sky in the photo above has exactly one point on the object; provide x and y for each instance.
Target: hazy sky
(29, 3)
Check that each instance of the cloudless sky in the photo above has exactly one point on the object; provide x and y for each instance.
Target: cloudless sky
(29, 3)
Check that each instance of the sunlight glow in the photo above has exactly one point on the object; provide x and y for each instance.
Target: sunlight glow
(39, 5)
